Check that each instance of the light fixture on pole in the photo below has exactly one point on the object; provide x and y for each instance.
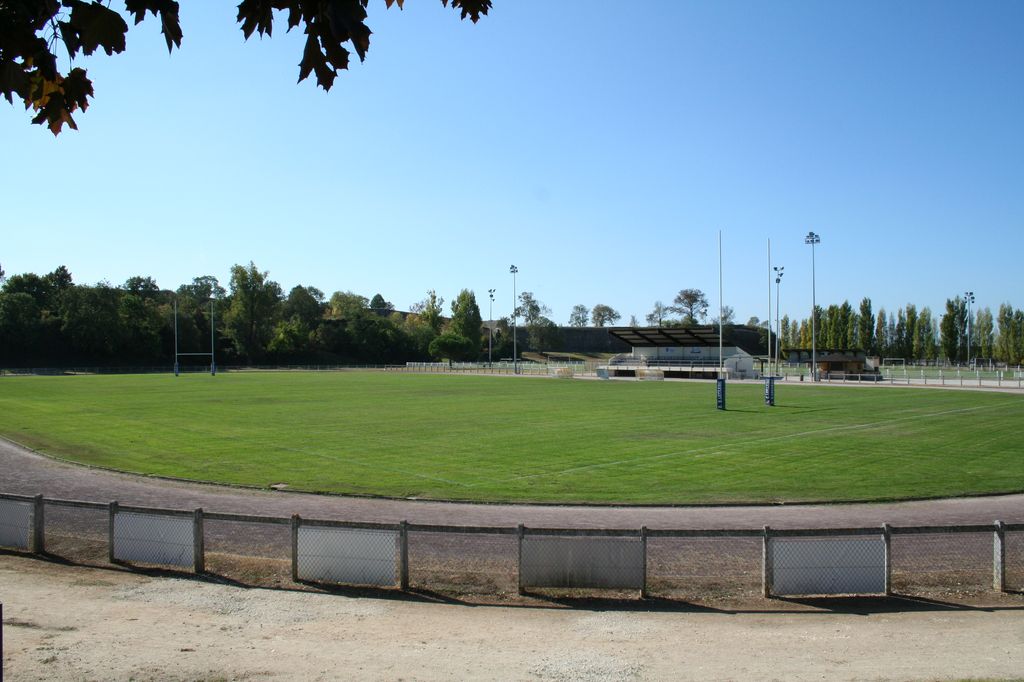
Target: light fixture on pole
(969, 297)
(778, 328)
(515, 350)
(813, 239)
(490, 325)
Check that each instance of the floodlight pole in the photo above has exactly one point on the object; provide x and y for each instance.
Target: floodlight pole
(969, 296)
(768, 322)
(515, 350)
(778, 326)
(813, 239)
(490, 326)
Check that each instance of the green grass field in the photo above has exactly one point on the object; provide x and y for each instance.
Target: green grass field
(527, 439)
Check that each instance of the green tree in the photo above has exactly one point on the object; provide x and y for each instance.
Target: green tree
(579, 315)
(429, 310)
(929, 334)
(381, 306)
(900, 338)
(865, 331)
(345, 304)
(848, 325)
(912, 343)
(305, 304)
(1006, 341)
(656, 318)
(834, 334)
(253, 311)
(20, 327)
(602, 315)
(30, 31)
(692, 304)
(60, 278)
(41, 289)
(881, 335)
(951, 329)
(141, 323)
(452, 347)
(91, 322)
(983, 329)
(203, 289)
(466, 320)
(727, 316)
(1018, 323)
(143, 287)
(530, 309)
(543, 334)
(785, 335)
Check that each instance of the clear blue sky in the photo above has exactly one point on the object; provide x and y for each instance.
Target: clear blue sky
(598, 145)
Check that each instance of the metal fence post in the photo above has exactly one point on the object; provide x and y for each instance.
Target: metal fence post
(198, 544)
(296, 520)
(112, 512)
(643, 554)
(999, 557)
(767, 568)
(520, 530)
(38, 525)
(887, 542)
(403, 555)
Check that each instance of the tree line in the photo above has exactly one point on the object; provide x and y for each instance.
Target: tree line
(49, 320)
(914, 334)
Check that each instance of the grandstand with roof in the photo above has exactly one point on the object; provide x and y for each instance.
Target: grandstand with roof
(689, 352)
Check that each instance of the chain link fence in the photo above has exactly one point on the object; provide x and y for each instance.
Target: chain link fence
(463, 563)
(353, 556)
(16, 524)
(679, 564)
(1015, 560)
(76, 532)
(704, 568)
(251, 550)
(942, 562)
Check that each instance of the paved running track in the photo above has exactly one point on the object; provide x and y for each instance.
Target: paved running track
(27, 473)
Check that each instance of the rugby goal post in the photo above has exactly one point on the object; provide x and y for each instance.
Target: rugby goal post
(178, 355)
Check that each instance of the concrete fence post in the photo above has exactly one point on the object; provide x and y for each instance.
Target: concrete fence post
(887, 544)
(112, 512)
(520, 531)
(403, 555)
(999, 557)
(38, 526)
(198, 542)
(643, 559)
(296, 522)
(767, 567)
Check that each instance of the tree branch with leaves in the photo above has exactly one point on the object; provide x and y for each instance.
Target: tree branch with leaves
(30, 31)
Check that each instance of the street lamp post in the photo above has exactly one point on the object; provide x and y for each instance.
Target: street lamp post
(969, 296)
(778, 327)
(490, 326)
(515, 350)
(813, 239)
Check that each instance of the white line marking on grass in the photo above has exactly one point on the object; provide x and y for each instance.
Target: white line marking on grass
(715, 449)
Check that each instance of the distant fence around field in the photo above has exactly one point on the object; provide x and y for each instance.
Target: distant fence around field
(502, 367)
(671, 563)
(949, 377)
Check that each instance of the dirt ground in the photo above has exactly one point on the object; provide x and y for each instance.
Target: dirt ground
(65, 622)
